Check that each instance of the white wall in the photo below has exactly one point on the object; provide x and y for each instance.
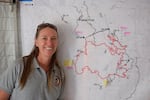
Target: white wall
(104, 45)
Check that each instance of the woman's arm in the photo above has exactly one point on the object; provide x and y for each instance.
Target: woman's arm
(4, 95)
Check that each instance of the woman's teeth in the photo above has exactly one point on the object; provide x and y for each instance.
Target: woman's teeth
(48, 48)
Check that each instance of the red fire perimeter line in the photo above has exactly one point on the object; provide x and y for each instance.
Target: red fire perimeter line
(113, 50)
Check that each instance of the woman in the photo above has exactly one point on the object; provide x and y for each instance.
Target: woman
(36, 76)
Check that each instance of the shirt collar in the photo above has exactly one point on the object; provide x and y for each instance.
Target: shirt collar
(35, 63)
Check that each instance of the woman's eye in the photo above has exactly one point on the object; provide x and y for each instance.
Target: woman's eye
(54, 38)
(44, 38)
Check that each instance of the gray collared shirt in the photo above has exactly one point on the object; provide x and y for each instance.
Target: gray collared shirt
(36, 87)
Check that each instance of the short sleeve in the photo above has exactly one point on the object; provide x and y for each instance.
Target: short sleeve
(8, 79)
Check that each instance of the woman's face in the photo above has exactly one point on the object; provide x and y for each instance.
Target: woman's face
(47, 42)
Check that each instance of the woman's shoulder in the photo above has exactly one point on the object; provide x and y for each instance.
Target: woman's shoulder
(17, 65)
(14, 70)
(20, 61)
(59, 70)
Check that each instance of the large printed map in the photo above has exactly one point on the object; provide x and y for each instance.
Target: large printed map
(103, 45)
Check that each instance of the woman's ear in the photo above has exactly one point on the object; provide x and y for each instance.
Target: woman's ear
(36, 43)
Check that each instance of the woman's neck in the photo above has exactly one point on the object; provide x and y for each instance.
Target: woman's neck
(44, 63)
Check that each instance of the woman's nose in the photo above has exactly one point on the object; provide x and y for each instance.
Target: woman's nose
(49, 41)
